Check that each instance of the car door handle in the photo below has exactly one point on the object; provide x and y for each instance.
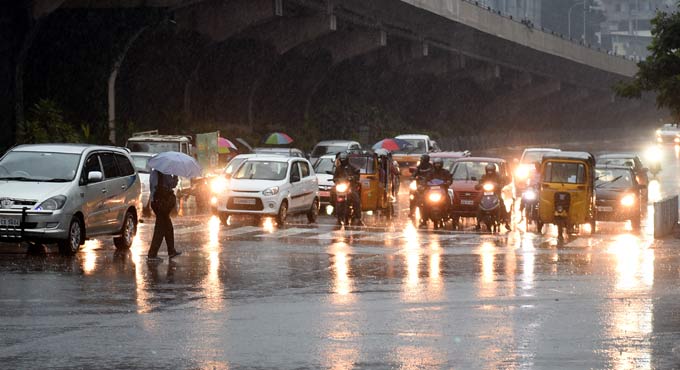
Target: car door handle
(123, 187)
(104, 190)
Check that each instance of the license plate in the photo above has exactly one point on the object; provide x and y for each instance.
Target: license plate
(244, 201)
(324, 193)
(340, 199)
(605, 209)
(13, 222)
(467, 202)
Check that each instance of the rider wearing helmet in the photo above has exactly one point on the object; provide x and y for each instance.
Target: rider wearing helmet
(492, 176)
(421, 175)
(345, 170)
(439, 172)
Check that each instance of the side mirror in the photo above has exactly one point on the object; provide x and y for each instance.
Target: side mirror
(295, 178)
(94, 177)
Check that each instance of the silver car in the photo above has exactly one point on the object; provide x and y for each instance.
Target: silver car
(68, 193)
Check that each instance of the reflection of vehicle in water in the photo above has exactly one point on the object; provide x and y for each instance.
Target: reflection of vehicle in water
(409, 156)
(617, 195)
(567, 197)
(467, 172)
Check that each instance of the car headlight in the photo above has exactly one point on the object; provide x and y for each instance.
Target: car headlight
(342, 187)
(413, 186)
(219, 184)
(52, 204)
(628, 200)
(434, 197)
(488, 187)
(271, 191)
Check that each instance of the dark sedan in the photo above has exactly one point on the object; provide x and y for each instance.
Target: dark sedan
(617, 194)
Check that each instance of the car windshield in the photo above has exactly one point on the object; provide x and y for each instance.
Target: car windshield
(262, 170)
(324, 165)
(469, 169)
(532, 156)
(613, 178)
(141, 163)
(627, 162)
(153, 146)
(233, 165)
(39, 166)
(418, 146)
(564, 173)
(320, 150)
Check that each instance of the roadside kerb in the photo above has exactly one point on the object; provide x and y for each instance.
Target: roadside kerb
(665, 216)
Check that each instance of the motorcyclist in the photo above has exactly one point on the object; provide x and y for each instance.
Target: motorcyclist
(346, 171)
(492, 176)
(421, 175)
(440, 173)
(532, 182)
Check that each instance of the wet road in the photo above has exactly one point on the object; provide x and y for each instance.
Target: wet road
(389, 296)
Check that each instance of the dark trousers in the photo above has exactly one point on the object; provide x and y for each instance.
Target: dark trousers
(162, 230)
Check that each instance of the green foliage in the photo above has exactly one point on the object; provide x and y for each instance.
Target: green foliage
(45, 124)
(660, 72)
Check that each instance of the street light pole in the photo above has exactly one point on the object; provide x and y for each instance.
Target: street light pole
(585, 10)
(569, 15)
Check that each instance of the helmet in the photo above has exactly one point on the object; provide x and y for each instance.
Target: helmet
(343, 158)
(490, 168)
(425, 159)
(438, 163)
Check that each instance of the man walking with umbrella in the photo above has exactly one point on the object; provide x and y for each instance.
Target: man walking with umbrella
(163, 202)
(163, 179)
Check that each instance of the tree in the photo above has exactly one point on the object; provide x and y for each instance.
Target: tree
(46, 125)
(660, 72)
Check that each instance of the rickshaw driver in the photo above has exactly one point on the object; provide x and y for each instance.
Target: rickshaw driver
(494, 177)
(345, 170)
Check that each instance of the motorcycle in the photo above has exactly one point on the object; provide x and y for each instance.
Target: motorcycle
(344, 208)
(530, 204)
(435, 203)
(489, 208)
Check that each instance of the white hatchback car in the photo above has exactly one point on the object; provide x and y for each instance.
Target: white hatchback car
(271, 186)
(324, 168)
(67, 193)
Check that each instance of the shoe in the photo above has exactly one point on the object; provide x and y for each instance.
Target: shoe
(154, 259)
(178, 253)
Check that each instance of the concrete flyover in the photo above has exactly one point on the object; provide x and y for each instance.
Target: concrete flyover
(431, 63)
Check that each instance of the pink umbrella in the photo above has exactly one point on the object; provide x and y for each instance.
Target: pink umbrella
(225, 146)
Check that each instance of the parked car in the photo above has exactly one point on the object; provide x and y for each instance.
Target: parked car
(291, 152)
(271, 186)
(668, 133)
(617, 195)
(68, 193)
(466, 175)
(632, 161)
(141, 162)
(332, 147)
(409, 157)
(323, 168)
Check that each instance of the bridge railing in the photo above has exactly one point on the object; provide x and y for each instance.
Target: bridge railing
(665, 216)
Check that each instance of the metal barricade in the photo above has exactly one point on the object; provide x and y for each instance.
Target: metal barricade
(665, 216)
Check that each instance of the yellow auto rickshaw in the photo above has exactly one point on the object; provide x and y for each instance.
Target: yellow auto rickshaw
(567, 196)
(376, 185)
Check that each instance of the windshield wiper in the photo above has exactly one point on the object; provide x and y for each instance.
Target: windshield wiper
(52, 180)
(17, 178)
(608, 182)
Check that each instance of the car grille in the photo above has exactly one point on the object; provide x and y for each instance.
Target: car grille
(245, 207)
(18, 203)
(465, 194)
(325, 187)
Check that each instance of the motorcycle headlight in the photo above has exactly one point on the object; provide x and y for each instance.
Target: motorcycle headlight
(434, 197)
(271, 191)
(488, 187)
(530, 195)
(52, 204)
(628, 200)
(522, 172)
(413, 186)
(342, 187)
(218, 185)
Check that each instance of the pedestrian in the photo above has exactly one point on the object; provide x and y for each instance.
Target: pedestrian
(163, 202)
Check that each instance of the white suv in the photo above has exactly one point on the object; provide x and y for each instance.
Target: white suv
(271, 186)
(67, 193)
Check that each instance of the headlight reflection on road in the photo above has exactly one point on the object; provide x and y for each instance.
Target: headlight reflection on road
(634, 262)
(89, 256)
(143, 298)
(268, 225)
(342, 283)
(212, 286)
(487, 283)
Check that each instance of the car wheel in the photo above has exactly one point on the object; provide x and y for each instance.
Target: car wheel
(71, 245)
(283, 214)
(313, 213)
(127, 233)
